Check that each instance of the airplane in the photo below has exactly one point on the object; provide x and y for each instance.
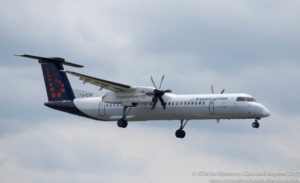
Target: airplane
(123, 103)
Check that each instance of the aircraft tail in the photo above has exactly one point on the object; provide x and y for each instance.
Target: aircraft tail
(57, 83)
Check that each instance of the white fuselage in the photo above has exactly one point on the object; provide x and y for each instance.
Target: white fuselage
(179, 107)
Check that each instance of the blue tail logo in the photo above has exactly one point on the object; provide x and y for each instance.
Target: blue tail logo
(57, 83)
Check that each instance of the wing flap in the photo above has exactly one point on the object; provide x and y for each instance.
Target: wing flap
(109, 85)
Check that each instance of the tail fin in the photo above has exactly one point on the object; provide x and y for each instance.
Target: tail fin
(57, 83)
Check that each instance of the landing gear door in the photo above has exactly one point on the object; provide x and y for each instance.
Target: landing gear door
(101, 109)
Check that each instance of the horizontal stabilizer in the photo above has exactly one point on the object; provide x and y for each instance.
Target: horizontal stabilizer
(51, 59)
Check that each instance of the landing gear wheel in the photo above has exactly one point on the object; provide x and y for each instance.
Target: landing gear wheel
(255, 124)
(180, 133)
(122, 123)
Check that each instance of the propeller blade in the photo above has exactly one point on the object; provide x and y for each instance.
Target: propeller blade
(154, 100)
(153, 82)
(162, 79)
(222, 91)
(162, 102)
(158, 93)
(212, 89)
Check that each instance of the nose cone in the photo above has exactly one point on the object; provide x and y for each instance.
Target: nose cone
(265, 112)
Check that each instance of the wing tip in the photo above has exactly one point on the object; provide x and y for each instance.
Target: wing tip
(20, 55)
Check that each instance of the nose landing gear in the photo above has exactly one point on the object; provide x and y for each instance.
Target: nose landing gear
(255, 124)
(180, 133)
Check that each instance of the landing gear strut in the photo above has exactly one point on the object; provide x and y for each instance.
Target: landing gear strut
(122, 123)
(180, 133)
(255, 124)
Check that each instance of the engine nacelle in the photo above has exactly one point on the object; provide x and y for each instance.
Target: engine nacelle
(127, 99)
(132, 98)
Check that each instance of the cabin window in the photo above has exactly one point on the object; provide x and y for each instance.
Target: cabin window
(188, 103)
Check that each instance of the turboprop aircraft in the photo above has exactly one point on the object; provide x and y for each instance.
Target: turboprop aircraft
(123, 103)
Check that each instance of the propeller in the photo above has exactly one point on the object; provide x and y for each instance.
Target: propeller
(158, 93)
(212, 90)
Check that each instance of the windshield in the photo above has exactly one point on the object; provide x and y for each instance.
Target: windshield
(246, 99)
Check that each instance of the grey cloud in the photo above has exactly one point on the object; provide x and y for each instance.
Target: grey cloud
(66, 148)
(63, 150)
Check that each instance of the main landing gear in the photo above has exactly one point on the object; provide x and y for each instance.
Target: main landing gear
(180, 133)
(255, 124)
(122, 123)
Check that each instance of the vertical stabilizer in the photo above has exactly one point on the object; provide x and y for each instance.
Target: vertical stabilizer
(57, 83)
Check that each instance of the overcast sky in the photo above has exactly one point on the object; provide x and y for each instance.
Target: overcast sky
(247, 46)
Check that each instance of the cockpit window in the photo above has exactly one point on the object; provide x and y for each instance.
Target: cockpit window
(246, 99)
(251, 100)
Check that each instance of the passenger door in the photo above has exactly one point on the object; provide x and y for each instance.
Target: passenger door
(101, 109)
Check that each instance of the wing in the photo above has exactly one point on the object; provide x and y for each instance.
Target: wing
(109, 85)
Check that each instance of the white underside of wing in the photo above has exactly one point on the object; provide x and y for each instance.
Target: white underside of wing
(119, 117)
(109, 85)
